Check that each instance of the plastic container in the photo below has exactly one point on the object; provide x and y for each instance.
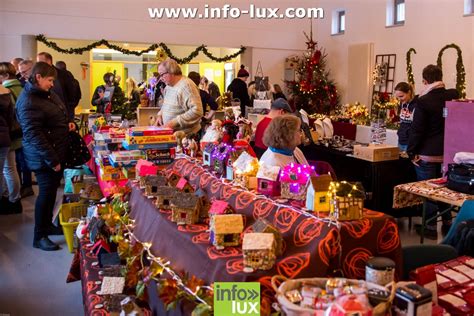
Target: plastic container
(68, 210)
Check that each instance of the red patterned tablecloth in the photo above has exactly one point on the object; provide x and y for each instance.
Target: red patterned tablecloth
(84, 267)
(312, 246)
(409, 194)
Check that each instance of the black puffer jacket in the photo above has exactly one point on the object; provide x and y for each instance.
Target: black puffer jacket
(6, 117)
(43, 119)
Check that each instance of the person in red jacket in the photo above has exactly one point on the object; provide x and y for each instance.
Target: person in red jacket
(279, 107)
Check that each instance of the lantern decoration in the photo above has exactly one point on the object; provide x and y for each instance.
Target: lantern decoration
(294, 180)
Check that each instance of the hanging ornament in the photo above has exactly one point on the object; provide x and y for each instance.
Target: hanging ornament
(160, 55)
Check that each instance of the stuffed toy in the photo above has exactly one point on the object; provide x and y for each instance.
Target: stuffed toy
(229, 132)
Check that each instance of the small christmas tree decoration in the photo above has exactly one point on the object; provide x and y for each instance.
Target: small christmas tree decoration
(294, 179)
(259, 251)
(346, 200)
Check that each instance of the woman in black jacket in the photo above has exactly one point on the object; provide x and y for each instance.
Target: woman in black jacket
(44, 121)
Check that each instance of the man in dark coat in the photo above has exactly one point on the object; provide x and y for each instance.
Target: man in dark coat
(426, 143)
(238, 87)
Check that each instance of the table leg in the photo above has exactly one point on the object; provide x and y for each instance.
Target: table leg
(423, 222)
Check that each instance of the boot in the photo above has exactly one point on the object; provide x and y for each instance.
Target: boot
(7, 207)
(26, 191)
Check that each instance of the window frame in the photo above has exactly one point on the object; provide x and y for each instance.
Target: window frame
(340, 15)
(396, 20)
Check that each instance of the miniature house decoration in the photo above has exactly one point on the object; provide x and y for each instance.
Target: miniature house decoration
(185, 208)
(259, 251)
(184, 186)
(226, 230)
(207, 153)
(263, 226)
(346, 200)
(219, 158)
(152, 183)
(205, 203)
(173, 178)
(245, 170)
(317, 198)
(219, 207)
(164, 195)
(294, 179)
(267, 180)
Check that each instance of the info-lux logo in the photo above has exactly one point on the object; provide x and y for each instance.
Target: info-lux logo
(236, 298)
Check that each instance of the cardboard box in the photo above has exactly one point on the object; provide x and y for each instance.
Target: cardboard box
(376, 152)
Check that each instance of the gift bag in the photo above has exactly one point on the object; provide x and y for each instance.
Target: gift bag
(261, 81)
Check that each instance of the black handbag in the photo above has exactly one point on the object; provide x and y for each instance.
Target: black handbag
(461, 177)
(78, 153)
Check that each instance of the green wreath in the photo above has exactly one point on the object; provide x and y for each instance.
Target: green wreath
(410, 77)
(460, 72)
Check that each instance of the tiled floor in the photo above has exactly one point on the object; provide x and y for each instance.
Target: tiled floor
(32, 282)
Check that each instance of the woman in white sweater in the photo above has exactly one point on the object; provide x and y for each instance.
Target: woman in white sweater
(282, 137)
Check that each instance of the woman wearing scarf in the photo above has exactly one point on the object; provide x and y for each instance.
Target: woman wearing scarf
(282, 137)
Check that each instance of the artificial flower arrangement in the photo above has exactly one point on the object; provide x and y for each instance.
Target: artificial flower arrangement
(357, 113)
(386, 107)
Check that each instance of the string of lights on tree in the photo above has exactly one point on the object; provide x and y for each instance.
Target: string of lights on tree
(410, 78)
(460, 71)
(79, 50)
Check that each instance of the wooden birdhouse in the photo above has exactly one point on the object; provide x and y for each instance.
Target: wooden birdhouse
(226, 230)
(220, 156)
(263, 226)
(294, 179)
(185, 208)
(317, 198)
(267, 180)
(346, 200)
(205, 203)
(152, 183)
(173, 178)
(163, 197)
(259, 251)
(184, 186)
(207, 153)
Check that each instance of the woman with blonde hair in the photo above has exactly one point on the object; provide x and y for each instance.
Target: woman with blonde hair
(133, 93)
(282, 137)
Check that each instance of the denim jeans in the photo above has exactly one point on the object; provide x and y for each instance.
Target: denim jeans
(402, 147)
(48, 184)
(23, 170)
(9, 176)
(426, 171)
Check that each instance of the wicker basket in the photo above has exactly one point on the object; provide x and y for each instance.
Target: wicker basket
(290, 309)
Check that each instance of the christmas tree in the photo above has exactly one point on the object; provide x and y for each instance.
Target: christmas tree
(121, 105)
(312, 90)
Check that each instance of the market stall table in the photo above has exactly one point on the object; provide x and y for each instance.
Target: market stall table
(378, 178)
(414, 193)
(84, 267)
(313, 246)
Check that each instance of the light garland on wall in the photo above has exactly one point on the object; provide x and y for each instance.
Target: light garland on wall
(41, 38)
(410, 77)
(460, 71)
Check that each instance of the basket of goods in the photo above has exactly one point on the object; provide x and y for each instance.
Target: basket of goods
(331, 296)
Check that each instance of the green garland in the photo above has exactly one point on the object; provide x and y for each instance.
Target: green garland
(410, 77)
(460, 72)
(41, 38)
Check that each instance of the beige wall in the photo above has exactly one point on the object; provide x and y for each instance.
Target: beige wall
(429, 26)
